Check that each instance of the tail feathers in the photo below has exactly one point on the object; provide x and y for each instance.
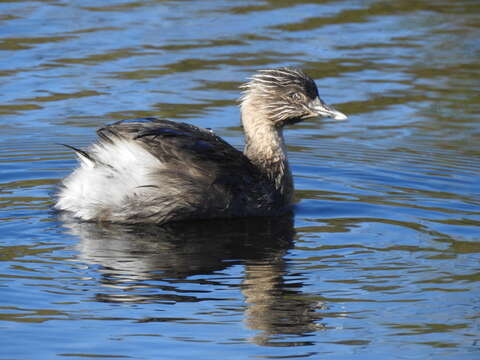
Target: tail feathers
(84, 157)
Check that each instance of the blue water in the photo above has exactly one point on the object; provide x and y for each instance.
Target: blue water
(382, 256)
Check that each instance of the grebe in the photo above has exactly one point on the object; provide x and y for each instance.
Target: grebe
(158, 171)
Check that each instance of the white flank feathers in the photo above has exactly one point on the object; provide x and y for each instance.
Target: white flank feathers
(119, 172)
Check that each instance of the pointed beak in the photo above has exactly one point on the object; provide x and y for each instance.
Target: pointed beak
(319, 108)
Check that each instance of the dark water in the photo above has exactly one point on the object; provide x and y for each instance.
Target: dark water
(382, 258)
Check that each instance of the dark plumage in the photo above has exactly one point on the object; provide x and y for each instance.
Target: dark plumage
(151, 170)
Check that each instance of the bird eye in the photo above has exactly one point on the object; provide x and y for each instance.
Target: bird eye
(295, 96)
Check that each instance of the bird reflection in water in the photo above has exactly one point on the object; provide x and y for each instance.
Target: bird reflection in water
(145, 263)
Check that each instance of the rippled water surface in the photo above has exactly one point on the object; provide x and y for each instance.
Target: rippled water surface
(380, 261)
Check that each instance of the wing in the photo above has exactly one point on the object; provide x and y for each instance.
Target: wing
(185, 146)
(200, 175)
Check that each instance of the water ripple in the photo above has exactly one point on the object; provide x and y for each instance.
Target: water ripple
(382, 252)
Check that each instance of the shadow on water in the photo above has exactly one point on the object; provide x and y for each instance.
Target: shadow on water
(387, 222)
(147, 263)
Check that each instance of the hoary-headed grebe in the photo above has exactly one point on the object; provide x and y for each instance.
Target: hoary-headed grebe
(157, 171)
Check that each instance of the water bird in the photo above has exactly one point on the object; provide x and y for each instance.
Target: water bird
(159, 171)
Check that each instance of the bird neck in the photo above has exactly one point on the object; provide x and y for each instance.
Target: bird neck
(265, 147)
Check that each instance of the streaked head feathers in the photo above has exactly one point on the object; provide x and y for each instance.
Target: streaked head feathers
(282, 80)
(286, 95)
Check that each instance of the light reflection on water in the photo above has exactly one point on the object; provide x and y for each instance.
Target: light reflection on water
(381, 258)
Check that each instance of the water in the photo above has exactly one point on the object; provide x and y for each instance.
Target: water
(381, 259)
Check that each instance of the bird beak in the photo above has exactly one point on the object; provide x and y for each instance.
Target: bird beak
(319, 108)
